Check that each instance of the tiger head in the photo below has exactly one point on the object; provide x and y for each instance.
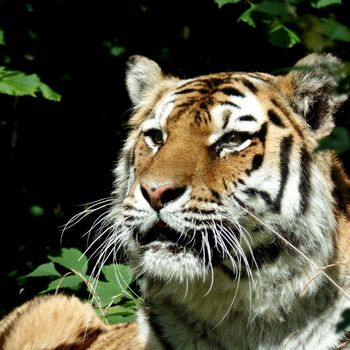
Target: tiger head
(215, 166)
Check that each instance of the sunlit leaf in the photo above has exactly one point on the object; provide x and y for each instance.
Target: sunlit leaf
(120, 313)
(224, 2)
(111, 319)
(246, 16)
(335, 30)
(273, 8)
(36, 210)
(2, 37)
(118, 274)
(47, 269)
(339, 140)
(72, 282)
(117, 50)
(18, 84)
(323, 3)
(106, 293)
(72, 259)
(281, 36)
(29, 57)
(48, 93)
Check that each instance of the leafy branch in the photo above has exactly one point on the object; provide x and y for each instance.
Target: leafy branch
(17, 83)
(111, 296)
(286, 27)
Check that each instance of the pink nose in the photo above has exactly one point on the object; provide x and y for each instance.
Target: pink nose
(158, 197)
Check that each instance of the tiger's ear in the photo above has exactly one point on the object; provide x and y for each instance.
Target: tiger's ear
(311, 87)
(142, 74)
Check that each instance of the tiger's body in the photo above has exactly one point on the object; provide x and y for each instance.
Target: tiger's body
(238, 229)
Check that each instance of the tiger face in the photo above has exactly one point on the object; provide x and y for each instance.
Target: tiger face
(212, 162)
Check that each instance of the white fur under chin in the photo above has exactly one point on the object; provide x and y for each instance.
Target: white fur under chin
(159, 263)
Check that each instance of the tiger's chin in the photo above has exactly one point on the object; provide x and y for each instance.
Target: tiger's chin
(167, 255)
(167, 262)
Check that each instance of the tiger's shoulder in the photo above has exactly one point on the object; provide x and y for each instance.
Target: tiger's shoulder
(63, 322)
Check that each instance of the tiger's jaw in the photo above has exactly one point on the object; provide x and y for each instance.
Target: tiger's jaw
(171, 250)
(165, 254)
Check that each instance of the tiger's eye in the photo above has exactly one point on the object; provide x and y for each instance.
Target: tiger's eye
(155, 135)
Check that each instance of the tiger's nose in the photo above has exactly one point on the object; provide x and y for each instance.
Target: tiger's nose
(158, 197)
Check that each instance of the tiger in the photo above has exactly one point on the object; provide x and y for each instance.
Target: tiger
(235, 223)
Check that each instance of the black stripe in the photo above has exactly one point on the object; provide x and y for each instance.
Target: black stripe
(191, 82)
(157, 328)
(216, 195)
(209, 82)
(225, 185)
(226, 120)
(242, 204)
(188, 91)
(266, 254)
(205, 335)
(189, 102)
(197, 117)
(275, 204)
(215, 82)
(198, 211)
(305, 184)
(257, 161)
(262, 255)
(292, 238)
(263, 194)
(231, 91)
(249, 85)
(286, 113)
(229, 103)
(338, 191)
(179, 112)
(275, 119)
(247, 118)
(286, 146)
(258, 77)
(261, 134)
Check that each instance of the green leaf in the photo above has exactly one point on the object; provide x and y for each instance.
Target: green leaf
(339, 140)
(72, 282)
(106, 293)
(281, 36)
(48, 93)
(2, 37)
(323, 3)
(47, 269)
(224, 2)
(18, 84)
(112, 319)
(246, 16)
(335, 30)
(36, 210)
(120, 310)
(117, 50)
(120, 275)
(120, 313)
(273, 8)
(72, 259)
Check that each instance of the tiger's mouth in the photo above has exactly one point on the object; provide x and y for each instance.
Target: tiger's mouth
(161, 232)
(162, 237)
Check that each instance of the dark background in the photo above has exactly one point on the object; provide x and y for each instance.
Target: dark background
(60, 155)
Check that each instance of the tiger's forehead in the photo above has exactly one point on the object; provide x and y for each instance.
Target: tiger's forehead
(216, 102)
